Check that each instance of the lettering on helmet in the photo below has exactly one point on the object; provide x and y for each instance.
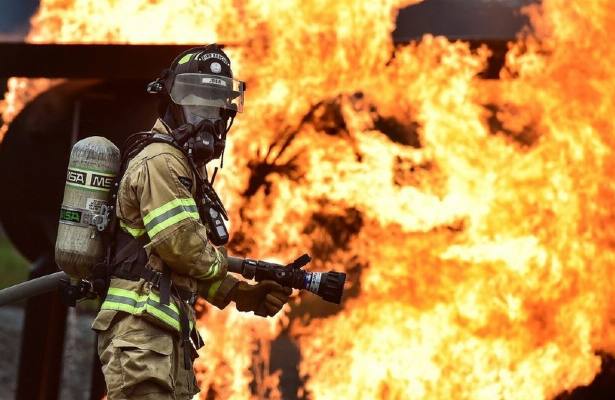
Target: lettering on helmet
(207, 56)
(214, 81)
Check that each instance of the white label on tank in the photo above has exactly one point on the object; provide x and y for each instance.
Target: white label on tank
(94, 204)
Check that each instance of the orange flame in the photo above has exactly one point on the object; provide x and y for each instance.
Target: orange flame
(479, 243)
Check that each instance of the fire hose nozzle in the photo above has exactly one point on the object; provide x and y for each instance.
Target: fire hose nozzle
(332, 286)
(327, 285)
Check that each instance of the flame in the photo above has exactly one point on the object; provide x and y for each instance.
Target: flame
(479, 242)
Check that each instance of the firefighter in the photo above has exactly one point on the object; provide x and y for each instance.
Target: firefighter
(169, 217)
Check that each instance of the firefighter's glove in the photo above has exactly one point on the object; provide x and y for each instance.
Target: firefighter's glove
(265, 298)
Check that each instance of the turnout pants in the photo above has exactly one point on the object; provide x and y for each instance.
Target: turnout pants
(141, 361)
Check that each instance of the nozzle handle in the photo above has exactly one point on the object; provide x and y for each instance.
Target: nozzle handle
(300, 262)
(235, 264)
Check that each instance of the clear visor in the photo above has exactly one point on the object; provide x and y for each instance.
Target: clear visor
(208, 90)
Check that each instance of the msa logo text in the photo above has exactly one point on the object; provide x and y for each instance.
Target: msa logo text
(100, 181)
(70, 215)
(76, 177)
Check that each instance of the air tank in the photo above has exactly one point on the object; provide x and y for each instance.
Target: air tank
(94, 163)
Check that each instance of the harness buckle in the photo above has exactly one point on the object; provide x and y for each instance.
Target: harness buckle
(155, 280)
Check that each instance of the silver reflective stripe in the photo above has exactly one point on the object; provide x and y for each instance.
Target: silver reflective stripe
(314, 281)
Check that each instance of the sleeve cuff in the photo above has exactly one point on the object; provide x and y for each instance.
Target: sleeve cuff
(219, 292)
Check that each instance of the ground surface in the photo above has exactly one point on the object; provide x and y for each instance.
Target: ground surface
(77, 362)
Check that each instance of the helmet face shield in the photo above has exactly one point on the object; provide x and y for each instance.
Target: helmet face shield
(194, 89)
(195, 114)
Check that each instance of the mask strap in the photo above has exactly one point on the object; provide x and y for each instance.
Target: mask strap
(230, 124)
(213, 176)
(223, 137)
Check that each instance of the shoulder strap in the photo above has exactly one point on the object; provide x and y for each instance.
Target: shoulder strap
(131, 147)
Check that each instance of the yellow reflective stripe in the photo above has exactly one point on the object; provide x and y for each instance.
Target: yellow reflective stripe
(128, 301)
(125, 293)
(135, 232)
(213, 289)
(168, 214)
(134, 296)
(111, 305)
(170, 221)
(166, 207)
(162, 316)
(213, 270)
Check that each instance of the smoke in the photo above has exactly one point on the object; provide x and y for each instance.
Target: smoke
(16, 36)
(484, 19)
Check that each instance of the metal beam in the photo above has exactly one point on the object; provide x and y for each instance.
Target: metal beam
(107, 61)
(124, 61)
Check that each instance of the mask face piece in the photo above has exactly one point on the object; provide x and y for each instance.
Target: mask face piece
(208, 140)
(195, 114)
(203, 147)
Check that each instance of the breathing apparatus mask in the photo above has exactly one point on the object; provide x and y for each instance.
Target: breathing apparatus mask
(209, 103)
(203, 99)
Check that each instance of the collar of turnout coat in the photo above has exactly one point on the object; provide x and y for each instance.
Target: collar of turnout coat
(161, 127)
